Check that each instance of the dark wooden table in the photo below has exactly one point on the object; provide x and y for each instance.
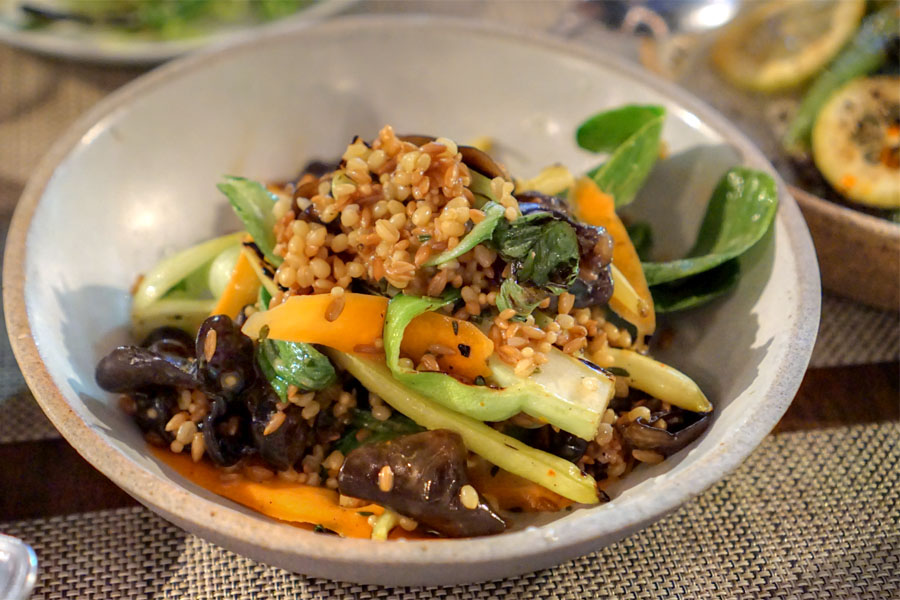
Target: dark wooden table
(47, 478)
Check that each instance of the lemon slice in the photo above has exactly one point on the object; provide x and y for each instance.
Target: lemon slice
(856, 141)
(777, 45)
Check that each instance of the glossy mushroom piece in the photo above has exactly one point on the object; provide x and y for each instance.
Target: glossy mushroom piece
(421, 476)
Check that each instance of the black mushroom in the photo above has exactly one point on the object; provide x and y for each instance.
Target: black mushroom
(283, 447)
(153, 411)
(134, 369)
(594, 285)
(225, 357)
(420, 476)
(171, 343)
(561, 443)
(226, 431)
(644, 436)
(221, 363)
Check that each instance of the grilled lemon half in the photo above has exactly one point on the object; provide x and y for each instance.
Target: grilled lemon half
(856, 141)
(777, 45)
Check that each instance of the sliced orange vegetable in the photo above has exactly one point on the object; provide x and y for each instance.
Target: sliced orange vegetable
(595, 207)
(512, 492)
(315, 319)
(283, 500)
(459, 336)
(242, 289)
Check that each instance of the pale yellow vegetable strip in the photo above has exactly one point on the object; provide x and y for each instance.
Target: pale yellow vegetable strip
(660, 380)
(384, 523)
(551, 181)
(508, 453)
(182, 313)
(169, 271)
(256, 264)
(627, 303)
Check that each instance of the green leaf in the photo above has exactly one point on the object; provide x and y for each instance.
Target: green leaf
(641, 236)
(863, 55)
(543, 253)
(696, 290)
(293, 363)
(379, 431)
(522, 300)
(739, 214)
(493, 213)
(253, 203)
(631, 135)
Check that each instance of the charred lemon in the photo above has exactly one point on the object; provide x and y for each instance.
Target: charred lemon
(856, 141)
(778, 45)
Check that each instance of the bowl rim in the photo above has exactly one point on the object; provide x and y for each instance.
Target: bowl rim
(235, 528)
(838, 212)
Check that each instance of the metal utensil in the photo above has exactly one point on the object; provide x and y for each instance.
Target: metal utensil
(659, 18)
(18, 568)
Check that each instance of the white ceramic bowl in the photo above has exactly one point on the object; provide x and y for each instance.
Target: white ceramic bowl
(136, 178)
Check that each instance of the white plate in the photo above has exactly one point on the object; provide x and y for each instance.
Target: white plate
(136, 178)
(80, 42)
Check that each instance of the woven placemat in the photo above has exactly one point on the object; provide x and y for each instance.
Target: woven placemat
(853, 334)
(810, 515)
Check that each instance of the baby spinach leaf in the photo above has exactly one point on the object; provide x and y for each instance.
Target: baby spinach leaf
(542, 250)
(379, 431)
(521, 299)
(696, 290)
(641, 235)
(493, 213)
(293, 363)
(253, 203)
(739, 214)
(631, 135)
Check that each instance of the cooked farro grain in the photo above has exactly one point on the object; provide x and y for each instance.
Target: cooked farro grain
(385, 479)
(468, 497)
(275, 422)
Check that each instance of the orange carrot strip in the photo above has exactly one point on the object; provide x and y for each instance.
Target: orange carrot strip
(595, 207)
(514, 492)
(242, 289)
(282, 500)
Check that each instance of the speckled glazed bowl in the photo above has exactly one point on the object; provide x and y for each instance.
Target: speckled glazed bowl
(136, 177)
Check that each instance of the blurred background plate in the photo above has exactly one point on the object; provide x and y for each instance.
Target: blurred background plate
(102, 44)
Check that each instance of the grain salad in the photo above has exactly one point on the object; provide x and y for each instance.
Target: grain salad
(409, 342)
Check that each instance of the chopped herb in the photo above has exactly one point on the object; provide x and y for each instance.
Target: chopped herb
(494, 470)
(455, 325)
(480, 380)
(618, 371)
(364, 513)
(464, 349)
(519, 318)
(319, 529)
(424, 237)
